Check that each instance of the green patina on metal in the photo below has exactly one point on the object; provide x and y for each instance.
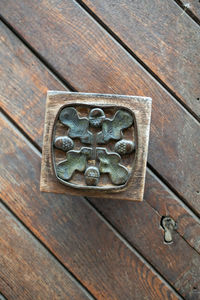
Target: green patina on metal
(103, 160)
(64, 143)
(112, 128)
(76, 160)
(110, 163)
(78, 126)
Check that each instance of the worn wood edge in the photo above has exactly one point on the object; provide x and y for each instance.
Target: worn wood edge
(96, 95)
(140, 106)
(191, 8)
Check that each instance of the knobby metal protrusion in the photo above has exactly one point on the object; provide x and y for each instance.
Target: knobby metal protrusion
(169, 225)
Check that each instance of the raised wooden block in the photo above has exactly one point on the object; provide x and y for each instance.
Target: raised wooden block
(95, 145)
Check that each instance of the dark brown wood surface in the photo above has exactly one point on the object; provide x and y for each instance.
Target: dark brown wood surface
(166, 41)
(96, 63)
(28, 271)
(114, 249)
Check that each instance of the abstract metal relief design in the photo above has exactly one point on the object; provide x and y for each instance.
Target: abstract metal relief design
(94, 147)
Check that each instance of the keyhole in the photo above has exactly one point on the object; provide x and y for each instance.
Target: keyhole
(168, 224)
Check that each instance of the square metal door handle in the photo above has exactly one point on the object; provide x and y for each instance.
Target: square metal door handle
(95, 145)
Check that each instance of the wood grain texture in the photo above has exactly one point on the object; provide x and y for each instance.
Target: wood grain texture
(177, 262)
(157, 195)
(28, 271)
(70, 228)
(162, 36)
(21, 71)
(140, 108)
(95, 63)
(167, 204)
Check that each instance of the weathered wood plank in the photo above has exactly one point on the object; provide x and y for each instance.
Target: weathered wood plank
(27, 270)
(72, 230)
(162, 36)
(23, 72)
(87, 57)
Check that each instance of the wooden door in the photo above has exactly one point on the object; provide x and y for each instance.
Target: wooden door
(64, 247)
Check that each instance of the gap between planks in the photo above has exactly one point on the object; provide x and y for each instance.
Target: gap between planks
(67, 85)
(188, 11)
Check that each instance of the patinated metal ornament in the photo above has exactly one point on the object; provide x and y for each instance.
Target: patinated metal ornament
(97, 147)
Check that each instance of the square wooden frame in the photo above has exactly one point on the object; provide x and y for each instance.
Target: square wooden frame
(141, 108)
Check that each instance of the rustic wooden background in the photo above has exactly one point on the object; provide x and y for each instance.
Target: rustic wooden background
(64, 247)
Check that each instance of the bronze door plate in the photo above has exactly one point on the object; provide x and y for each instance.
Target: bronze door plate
(95, 145)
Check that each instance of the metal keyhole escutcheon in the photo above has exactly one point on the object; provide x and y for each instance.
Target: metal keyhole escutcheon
(169, 225)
